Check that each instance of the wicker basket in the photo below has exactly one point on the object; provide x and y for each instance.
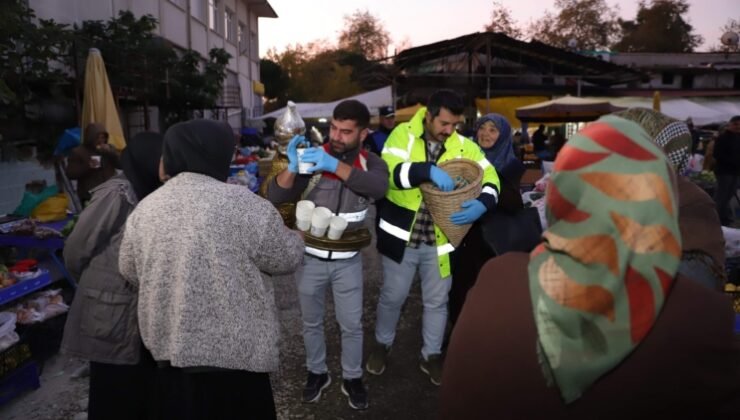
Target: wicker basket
(443, 204)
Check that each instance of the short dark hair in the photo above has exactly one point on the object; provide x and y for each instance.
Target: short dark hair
(735, 118)
(352, 110)
(445, 98)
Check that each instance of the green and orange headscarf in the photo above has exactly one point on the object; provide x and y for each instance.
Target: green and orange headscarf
(609, 256)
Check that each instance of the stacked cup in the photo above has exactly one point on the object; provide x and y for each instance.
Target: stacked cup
(303, 214)
(318, 220)
(337, 224)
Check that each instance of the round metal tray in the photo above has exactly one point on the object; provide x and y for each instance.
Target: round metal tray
(350, 241)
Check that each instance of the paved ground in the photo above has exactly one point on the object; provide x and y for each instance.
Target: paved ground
(402, 392)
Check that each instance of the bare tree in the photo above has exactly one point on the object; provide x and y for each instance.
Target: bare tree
(364, 34)
(590, 24)
(502, 21)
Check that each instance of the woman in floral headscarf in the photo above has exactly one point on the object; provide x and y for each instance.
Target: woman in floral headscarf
(595, 322)
(703, 248)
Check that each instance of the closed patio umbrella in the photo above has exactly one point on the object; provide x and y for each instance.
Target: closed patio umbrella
(98, 104)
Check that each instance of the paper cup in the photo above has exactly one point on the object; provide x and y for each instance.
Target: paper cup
(96, 159)
(303, 214)
(303, 225)
(320, 221)
(303, 167)
(337, 225)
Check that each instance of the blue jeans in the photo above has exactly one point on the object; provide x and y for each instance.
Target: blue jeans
(397, 279)
(345, 279)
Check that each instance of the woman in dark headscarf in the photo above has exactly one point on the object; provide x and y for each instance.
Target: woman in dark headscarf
(596, 322)
(703, 250)
(493, 135)
(203, 253)
(102, 325)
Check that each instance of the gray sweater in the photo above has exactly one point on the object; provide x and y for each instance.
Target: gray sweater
(202, 253)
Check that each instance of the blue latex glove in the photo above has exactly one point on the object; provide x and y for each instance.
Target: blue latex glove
(440, 178)
(292, 154)
(322, 161)
(471, 211)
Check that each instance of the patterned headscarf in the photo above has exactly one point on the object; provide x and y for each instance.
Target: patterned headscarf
(673, 136)
(501, 154)
(609, 257)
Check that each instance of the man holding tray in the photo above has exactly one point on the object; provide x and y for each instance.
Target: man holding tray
(348, 178)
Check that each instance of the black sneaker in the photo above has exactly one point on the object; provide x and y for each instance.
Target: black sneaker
(433, 367)
(355, 392)
(315, 384)
(377, 359)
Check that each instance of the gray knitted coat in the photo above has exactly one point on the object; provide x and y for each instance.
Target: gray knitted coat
(202, 253)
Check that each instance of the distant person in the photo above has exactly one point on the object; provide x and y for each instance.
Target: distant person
(695, 137)
(350, 176)
(539, 139)
(93, 162)
(387, 120)
(727, 156)
(202, 253)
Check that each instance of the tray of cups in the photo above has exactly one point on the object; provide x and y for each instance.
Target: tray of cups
(323, 230)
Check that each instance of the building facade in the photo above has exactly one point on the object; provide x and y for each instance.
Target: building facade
(199, 25)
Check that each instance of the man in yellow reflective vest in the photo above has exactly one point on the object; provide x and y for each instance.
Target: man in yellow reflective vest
(408, 239)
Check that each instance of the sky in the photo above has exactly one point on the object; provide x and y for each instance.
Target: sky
(420, 23)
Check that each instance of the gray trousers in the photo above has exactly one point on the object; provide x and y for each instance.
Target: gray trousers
(345, 279)
(397, 279)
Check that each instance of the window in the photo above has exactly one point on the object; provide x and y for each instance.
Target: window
(241, 39)
(687, 81)
(213, 20)
(197, 9)
(667, 78)
(229, 26)
(253, 42)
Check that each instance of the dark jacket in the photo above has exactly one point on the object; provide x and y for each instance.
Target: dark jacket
(78, 163)
(102, 324)
(727, 153)
(686, 367)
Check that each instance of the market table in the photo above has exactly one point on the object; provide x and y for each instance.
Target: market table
(50, 245)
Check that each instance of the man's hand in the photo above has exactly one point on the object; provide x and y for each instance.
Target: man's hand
(293, 153)
(471, 211)
(322, 161)
(441, 179)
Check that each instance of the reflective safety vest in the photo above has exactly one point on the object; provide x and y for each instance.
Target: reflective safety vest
(330, 192)
(397, 213)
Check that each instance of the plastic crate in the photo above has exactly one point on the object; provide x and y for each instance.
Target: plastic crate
(11, 293)
(22, 379)
(14, 356)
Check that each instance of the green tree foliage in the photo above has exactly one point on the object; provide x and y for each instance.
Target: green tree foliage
(30, 51)
(315, 74)
(275, 79)
(591, 24)
(30, 74)
(190, 88)
(146, 69)
(364, 34)
(502, 21)
(659, 27)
